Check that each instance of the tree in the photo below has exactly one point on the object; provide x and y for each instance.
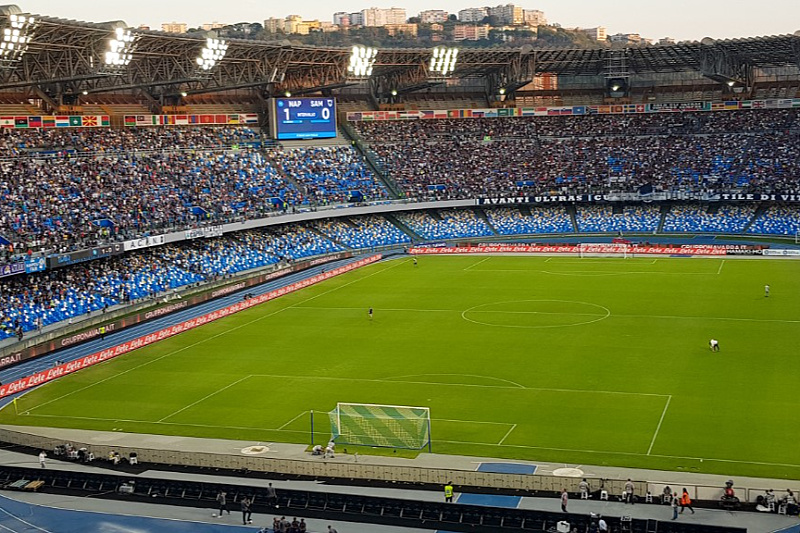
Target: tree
(414, 20)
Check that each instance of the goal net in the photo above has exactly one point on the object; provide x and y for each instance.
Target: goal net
(390, 426)
(604, 249)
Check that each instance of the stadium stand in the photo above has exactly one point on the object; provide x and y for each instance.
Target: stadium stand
(601, 219)
(541, 220)
(777, 220)
(53, 296)
(330, 174)
(362, 232)
(707, 219)
(446, 224)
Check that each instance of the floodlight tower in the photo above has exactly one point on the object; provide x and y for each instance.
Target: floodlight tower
(16, 33)
(212, 53)
(119, 51)
(443, 62)
(362, 60)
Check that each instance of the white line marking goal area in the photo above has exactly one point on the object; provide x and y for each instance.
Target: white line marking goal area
(581, 412)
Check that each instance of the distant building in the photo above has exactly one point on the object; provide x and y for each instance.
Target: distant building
(381, 17)
(508, 14)
(341, 18)
(666, 41)
(470, 32)
(409, 30)
(356, 19)
(143, 27)
(596, 34)
(174, 27)
(433, 16)
(274, 25)
(296, 24)
(625, 38)
(213, 26)
(473, 14)
(534, 17)
(437, 27)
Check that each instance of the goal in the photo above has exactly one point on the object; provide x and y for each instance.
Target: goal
(604, 249)
(387, 426)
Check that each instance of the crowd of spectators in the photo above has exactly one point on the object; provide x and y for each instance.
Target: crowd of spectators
(777, 220)
(743, 151)
(29, 302)
(446, 224)
(708, 219)
(541, 220)
(330, 174)
(362, 232)
(18, 142)
(601, 219)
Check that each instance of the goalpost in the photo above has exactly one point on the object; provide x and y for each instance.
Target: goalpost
(387, 426)
(604, 249)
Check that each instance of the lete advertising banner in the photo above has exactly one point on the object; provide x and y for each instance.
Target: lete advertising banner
(570, 249)
(104, 355)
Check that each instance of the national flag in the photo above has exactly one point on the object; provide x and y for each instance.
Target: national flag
(747, 104)
(130, 120)
(731, 105)
(49, 122)
(604, 109)
(717, 106)
(641, 108)
(759, 104)
(7, 122)
(75, 122)
(206, 119)
(578, 110)
(34, 122)
(453, 113)
(616, 109)
(220, 119)
(427, 114)
(181, 119)
(250, 118)
(89, 121)
(105, 120)
(20, 122)
(528, 112)
(591, 109)
(194, 119)
(438, 113)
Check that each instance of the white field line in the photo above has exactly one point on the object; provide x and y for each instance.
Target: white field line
(472, 443)
(473, 422)
(476, 264)
(292, 420)
(512, 428)
(719, 271)
(663, 413)
(445, 384)
(204, 398)
(206, 339)
(615, 315)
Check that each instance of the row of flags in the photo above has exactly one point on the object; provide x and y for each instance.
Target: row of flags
(99, 121)
(786, 103)
(182, 120)
(55, 121)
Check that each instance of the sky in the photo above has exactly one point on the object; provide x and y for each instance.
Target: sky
(679, 19)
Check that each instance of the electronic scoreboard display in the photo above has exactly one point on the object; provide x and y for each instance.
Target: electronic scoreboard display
(303, 118)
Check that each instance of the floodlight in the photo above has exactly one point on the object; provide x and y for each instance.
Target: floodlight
(287, 94)
(16, 34)
(119, 53)
(184, 94)
(362, 59)
(84, 92)
(211, 54)
(443, 60)
(731, 83)
(502, 91)
(394, 92)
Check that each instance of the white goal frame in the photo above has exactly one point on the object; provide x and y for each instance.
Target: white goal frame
(376, 410)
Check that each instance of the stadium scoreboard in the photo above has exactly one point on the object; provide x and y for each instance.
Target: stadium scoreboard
(303, 118)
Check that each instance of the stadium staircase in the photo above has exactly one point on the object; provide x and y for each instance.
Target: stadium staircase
(480, 213)
(402, 227)
(279, 168)
(760, 211)
(573, 218)
(373, 161)
(664, 212)
(343, 220)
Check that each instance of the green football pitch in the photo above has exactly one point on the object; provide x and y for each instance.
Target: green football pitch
(600, 361)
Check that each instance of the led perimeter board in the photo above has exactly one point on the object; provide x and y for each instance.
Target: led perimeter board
(303, 118)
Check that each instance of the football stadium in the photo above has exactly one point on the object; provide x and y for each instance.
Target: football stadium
(396, 289)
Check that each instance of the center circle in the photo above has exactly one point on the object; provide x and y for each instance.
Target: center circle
(536, 314)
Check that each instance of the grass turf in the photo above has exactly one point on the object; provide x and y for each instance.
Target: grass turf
(591, 361)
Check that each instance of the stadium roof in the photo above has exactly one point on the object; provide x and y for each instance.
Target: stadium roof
(66, 56)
